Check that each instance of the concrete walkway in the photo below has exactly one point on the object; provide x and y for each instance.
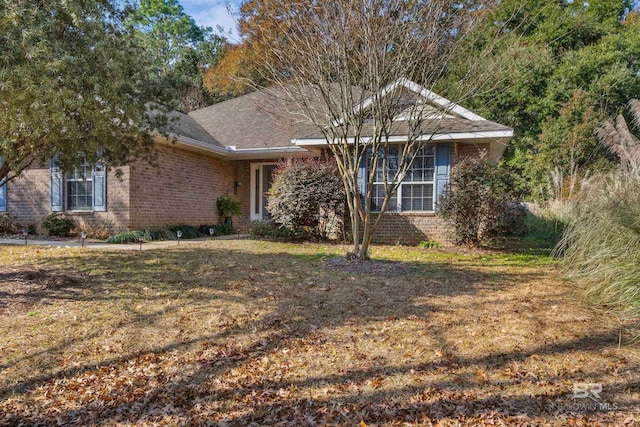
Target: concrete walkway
(159, 244)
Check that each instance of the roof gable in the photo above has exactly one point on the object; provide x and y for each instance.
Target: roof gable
(435, 104)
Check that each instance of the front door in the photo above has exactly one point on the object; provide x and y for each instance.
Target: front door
(261, 179)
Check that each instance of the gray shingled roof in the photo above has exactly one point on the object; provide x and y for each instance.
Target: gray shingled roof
(250, 121)
(181, 124)
(261, 120)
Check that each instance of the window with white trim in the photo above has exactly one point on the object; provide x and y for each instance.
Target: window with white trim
(82, 189)
(416, 192)
(79, 188)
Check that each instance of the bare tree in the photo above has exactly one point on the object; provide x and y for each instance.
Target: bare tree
(344, 66)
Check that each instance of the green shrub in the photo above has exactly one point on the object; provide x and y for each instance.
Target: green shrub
(480, 195)
(272, 230)
(188, 232)
(162, 234)
(218, 229)
(125, 237)
(429, 244)
(307, 195)
(58, 225)
(600, 248)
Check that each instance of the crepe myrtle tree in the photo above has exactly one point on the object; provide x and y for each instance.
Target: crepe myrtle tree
(340, 66)
(74, 85)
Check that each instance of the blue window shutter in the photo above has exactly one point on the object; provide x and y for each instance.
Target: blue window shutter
(362, 177)
(443, 169)
(56, 187)
(3, 195)
(99, 188)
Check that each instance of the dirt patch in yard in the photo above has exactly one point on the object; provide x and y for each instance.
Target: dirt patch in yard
(28, 286)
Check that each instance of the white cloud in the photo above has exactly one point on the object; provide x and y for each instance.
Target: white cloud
(213, 13)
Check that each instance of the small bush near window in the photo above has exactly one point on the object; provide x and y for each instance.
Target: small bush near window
(58, 225)
(98, 232)
(307, 195)
(513, 222)
(479, 196)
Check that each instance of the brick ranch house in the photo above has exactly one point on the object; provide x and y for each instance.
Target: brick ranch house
(232, 148)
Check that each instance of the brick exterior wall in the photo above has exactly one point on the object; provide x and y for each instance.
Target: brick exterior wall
(411, 229)
(460, 151)
(29, 196)
(183, 189)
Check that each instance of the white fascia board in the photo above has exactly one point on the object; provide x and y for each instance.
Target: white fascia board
(193, 144)
(265, 153)
(435, 137)
(233, 153)
(422, 91)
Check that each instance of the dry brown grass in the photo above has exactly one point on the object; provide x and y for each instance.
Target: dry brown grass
(257, 333)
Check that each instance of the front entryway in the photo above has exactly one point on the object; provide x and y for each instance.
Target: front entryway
(261, 179)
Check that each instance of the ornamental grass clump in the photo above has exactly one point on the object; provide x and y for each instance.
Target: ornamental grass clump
(601, 246)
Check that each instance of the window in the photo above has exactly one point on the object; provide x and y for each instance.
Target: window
(83, 189)
(417, 192)
(80, 189)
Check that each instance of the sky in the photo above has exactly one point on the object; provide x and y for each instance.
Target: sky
(213, 13)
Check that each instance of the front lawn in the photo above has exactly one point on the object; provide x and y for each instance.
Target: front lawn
(256, 333)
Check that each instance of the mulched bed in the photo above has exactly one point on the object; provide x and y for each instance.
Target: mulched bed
(373, 266)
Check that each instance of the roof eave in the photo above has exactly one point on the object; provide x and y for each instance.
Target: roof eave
(231, 153)
(266, 153)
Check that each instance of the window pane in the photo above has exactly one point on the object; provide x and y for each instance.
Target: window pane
(392, 163)
(377, 198)
(417, 197)
(80, 188)
(81, 173)
(79, 195)
(423, 166)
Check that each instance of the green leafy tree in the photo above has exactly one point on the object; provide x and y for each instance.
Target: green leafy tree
(180, 50)
(73, 83)
(563, 67)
